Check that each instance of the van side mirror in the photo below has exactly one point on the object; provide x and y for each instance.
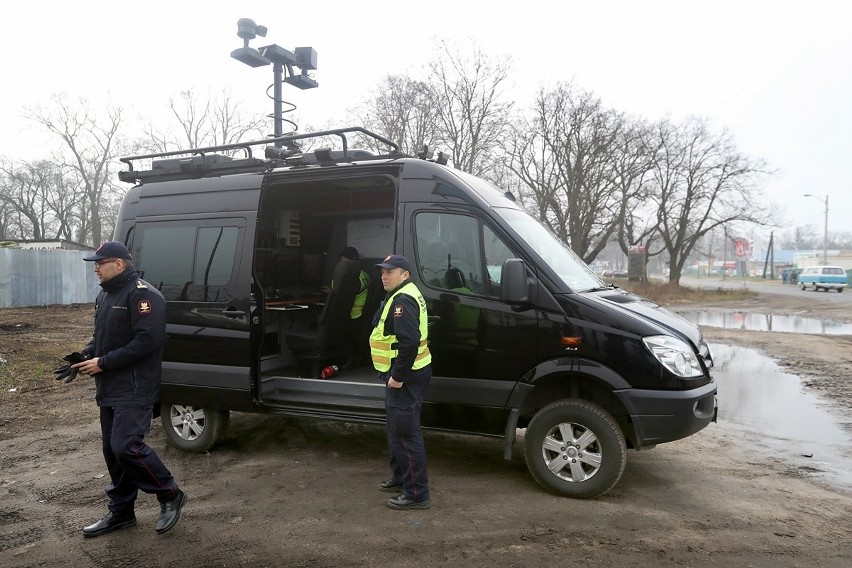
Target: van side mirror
(514, 285)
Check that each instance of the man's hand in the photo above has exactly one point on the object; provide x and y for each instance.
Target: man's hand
(88, 367)
(393, 383)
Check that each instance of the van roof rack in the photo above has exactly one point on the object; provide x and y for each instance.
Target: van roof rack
(280, 151)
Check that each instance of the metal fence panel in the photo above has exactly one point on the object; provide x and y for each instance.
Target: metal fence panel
(45, 277)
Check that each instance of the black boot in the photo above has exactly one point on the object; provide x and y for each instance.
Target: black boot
(170, 512)
(112, 522)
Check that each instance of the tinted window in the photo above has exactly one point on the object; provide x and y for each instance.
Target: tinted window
(214, 255)
(575, 273)
(188, 263)
(459, 253)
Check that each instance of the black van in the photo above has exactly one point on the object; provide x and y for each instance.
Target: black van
(522, 333)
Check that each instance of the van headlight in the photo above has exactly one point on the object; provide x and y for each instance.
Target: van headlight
(675, 355)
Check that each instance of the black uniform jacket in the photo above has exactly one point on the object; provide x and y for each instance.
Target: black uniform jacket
(130, 327)
(403, 321)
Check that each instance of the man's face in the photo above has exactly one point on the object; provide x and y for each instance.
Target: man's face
(109, 268)
(393, 277)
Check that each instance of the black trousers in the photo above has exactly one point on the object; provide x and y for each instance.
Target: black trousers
(405, 440)
(131, 463)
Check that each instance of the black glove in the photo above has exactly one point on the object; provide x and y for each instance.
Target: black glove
(66, 371)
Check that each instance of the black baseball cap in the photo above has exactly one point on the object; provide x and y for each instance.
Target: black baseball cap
(395, 261)
(110, 249)
(349, 252)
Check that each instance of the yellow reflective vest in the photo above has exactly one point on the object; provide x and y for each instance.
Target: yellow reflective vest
(380, 344)
(361, 298)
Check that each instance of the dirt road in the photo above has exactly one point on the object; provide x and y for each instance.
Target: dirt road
(282, 492)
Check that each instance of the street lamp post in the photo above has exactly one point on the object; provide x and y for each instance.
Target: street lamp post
(825, 229)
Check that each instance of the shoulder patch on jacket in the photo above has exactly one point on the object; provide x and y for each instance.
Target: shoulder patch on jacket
(144, 307)
(397, 310)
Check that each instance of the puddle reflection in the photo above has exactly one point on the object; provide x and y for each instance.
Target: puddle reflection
(767, 322)
(755, 392)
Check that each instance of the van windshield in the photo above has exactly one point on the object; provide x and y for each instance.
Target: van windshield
(575, 273)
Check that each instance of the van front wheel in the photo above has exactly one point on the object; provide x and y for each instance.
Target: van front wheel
(575, 448)
(193, 428)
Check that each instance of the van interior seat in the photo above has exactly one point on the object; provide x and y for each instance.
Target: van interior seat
(327, 343)
(364, 326)
(454, 280)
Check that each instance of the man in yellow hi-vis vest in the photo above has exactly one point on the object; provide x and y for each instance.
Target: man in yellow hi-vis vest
(400, 352)
(357, 325)
(351, 253)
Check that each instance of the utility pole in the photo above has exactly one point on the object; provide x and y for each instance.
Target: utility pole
(825, 229)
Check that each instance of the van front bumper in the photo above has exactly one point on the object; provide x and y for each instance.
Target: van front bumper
(665, 416)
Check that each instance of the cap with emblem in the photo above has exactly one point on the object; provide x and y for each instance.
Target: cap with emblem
(110, 249)
(395, 261)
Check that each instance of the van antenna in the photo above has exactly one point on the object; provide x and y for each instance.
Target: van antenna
(283, 61)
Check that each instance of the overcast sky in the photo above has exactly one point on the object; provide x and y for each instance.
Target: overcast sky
(777, 74)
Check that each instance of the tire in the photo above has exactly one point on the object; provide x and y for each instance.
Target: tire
(585, 469)
(192, 428)
(840, 290)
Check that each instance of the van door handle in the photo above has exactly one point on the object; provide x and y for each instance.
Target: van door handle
(232, 313)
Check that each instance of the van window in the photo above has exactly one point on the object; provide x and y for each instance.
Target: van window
(188, 263)
(575, 273)
(496, 253)
(459, 253)
(832, 270)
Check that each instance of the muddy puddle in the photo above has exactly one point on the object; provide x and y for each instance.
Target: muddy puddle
(767, 322)
(792, 424)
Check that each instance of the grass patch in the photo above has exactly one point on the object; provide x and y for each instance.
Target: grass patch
(668, 294)
(33, 341)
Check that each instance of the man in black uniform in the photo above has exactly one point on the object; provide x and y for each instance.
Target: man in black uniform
(400, 352)
(125, 357)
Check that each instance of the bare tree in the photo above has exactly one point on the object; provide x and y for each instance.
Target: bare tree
(201, 122)
(566, 155)
(400, 109)
(471, 105)
(24, 195)
(44, 202)
(6, 225)
(703, 182)
(800, 237)
(632, 159)
(91, 146)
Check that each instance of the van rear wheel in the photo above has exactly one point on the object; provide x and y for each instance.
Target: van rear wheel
(193, 428)
(575, 448)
